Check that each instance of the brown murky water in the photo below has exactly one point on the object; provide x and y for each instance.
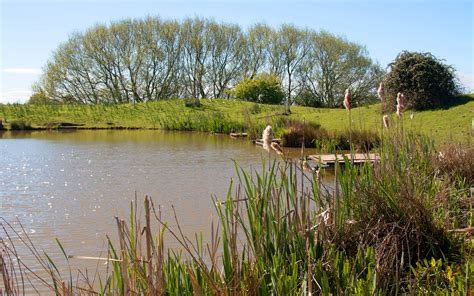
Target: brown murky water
(70, 185)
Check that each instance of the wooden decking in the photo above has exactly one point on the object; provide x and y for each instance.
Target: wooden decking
(238, 135)
(330, 159)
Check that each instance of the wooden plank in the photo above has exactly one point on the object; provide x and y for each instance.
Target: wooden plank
(357, 158)
(238, 135)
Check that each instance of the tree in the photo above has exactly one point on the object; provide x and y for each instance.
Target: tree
(425, 81)
(151, 59)
(39, 98)
(333, 65)
(258, 41)
(306, 97)
(227, 47)
(289, 49)
(195, 56)
(263, 88)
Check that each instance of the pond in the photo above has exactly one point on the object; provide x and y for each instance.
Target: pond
(70, 185)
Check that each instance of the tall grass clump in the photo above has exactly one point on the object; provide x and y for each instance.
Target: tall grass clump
(457, 162)
(313, 135)
(296, 131)
(20, 125)
(380, 230)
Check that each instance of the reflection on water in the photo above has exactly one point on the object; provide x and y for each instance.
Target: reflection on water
(70, 185)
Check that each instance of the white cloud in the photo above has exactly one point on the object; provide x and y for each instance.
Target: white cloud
(22, 71)
(15, 96)
(467, 80)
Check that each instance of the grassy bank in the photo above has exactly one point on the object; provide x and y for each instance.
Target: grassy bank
(224, 116)
(394, 228)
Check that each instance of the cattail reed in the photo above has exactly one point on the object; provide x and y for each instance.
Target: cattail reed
(385, 121)
(347, 104)
(267, 138)
(400, 99)
(399, 111)
(381, 91)
(347, 99)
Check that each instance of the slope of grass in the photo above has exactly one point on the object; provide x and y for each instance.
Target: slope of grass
(224, 116)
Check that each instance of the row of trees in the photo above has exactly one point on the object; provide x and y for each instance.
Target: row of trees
(154, 59)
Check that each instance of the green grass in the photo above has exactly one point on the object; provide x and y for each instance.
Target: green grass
(223, 116)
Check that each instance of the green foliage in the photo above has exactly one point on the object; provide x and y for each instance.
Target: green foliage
(192, 103)
(438, 277)
(334, 65)
(19, 125)
(315, 136)
(425, 81)
(255, 109)
(296, 131)
(39, 98)
(362, 140)
(309, 99)
(151, 59)
(264, 89)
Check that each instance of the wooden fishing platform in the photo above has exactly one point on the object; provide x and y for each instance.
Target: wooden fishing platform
(331, 159)
(238, 135)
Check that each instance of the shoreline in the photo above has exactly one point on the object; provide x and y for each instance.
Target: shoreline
(227, 116)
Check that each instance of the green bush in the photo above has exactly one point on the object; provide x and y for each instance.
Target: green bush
(308, 99)
(362, 140)
(264, 88)
(425, 81)
(192, 103)
(316, 136)
(40, 98)
(295, 131)
(20, 125)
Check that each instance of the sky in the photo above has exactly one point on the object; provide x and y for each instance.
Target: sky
(31, 30)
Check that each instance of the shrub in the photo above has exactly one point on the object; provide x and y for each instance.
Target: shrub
(457, 162)
(307, 98)
(40, 98)
(295, 131)
(425, 81)
(192, 103)
(255, 109)
(362, 140)
(19, 125)
(315, 135)
(264, 88)
(395, 211)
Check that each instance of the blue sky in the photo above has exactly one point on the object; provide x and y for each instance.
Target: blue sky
(31, 30)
